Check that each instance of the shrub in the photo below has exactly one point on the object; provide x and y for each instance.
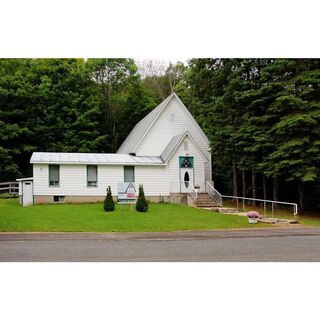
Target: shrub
(108, 204)
(142, 203)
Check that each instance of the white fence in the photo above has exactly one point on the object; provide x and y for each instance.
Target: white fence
(9, 187)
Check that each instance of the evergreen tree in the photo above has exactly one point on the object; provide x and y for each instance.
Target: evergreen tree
(142, 203)
(261, 115)
(108, 204)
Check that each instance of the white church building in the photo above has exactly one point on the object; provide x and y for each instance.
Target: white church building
(166, 151)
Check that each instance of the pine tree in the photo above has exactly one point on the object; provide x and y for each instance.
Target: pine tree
(108, 201)
(142, 203)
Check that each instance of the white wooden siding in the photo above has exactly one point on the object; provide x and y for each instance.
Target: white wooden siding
(154, 179)
(164, 129)
(73, 180)
(199, 169)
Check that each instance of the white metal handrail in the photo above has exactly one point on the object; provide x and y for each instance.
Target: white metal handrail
(215, 194)
(219, 198)
(295, 205)
(193, 192)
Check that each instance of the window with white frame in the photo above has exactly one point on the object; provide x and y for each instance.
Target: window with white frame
(54, 175)
(92, 176)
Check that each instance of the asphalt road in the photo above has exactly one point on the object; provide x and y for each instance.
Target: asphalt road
(273, 244)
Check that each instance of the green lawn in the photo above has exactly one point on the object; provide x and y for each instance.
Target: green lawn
(91, 217)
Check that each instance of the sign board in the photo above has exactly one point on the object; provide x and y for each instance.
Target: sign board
(126, 192)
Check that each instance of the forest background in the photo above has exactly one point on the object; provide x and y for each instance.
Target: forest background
(262, 116)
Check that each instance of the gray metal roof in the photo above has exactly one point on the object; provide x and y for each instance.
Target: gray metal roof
(141, 127)
(174, 142)
(92, 158)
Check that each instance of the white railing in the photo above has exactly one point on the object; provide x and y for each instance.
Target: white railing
(190, 189)
(264, 201)
(215, 194)
(9, 187)
(218, 197)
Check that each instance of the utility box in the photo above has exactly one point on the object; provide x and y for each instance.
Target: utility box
(26, 191)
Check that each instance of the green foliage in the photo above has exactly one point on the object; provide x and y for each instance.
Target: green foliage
(261, 115)
(108, 204)
(142, 203)
(66, 105)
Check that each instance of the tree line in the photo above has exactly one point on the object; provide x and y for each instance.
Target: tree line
(261, 115)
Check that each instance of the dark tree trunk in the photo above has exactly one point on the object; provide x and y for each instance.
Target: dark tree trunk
(254, 185)
(301, 195)
(275, 189)
(264, 183)
(235, 178)
(244, 184)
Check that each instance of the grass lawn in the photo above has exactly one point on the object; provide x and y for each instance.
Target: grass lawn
(91, 217)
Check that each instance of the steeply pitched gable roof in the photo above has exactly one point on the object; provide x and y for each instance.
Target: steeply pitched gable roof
(174, 144)
(139, 131)
(141, 128)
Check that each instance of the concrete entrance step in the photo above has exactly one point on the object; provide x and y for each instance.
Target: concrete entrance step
(205, 201)
(208, 203)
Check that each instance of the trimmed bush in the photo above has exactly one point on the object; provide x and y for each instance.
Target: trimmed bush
(142, 203)
(108, 204)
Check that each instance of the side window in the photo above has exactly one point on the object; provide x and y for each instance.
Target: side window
(54, 175)
(128, 174)
(92, 176)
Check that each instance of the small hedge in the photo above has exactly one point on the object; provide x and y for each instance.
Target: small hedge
(142, 203)
(7, 196)
(108, 204)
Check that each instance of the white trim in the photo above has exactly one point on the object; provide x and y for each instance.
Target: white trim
(187, 133)
(25, 179)
(186, 111)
